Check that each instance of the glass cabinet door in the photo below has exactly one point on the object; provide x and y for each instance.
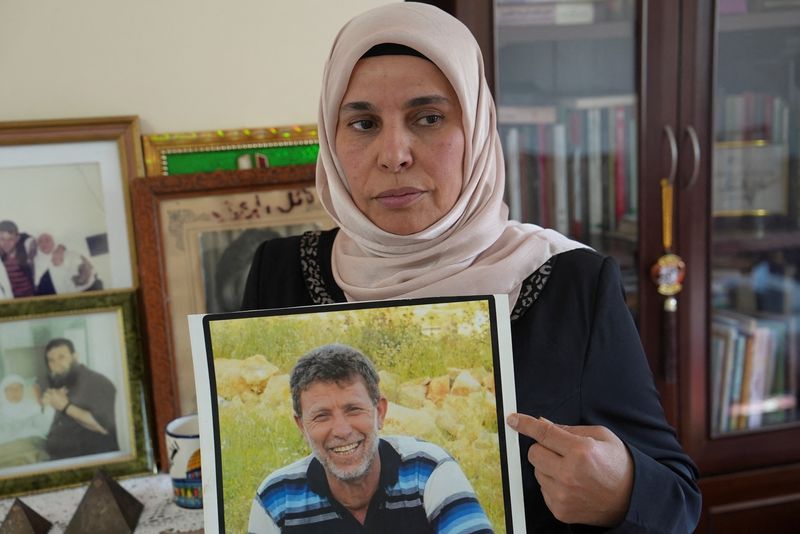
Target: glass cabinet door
(755, 228)
(565, 89)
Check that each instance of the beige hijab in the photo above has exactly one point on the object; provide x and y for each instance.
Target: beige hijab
(474, 248)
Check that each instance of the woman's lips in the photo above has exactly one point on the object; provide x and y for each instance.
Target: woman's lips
(399, 198)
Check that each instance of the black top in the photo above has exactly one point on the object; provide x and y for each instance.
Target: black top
(578, 360)
(68, 438)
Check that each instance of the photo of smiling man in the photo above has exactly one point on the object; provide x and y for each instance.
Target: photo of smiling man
(354, 480)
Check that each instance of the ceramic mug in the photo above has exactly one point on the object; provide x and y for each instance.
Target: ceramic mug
(183, 449)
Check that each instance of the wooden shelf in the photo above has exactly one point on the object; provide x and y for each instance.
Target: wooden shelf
(528, 33)
(760, 21)
(751, 242)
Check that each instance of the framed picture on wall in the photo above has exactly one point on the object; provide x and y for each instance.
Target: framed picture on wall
(196, 237)
(248, 148)
(71, 391)
(751, 178)
(65, 224)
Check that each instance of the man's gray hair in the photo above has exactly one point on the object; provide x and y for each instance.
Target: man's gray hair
(333, 363)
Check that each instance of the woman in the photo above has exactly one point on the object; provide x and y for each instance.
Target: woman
(24, 423)
(411, 170)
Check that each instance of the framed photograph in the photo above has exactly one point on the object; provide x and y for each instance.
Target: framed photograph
(73, 394)
(249, 148)
(446, 384)
(65, 223)
(196, 236)
(751, 178)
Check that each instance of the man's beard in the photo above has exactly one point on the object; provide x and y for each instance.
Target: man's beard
(370, 453)
(64, 379)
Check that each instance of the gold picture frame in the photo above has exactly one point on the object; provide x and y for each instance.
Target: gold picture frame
(214, 150)
(103, 328)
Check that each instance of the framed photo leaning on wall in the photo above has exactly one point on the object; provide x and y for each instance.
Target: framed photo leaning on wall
(72, 391)
(196, 235)
(65, 225)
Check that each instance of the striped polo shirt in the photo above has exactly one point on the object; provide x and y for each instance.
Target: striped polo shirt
(421, 490)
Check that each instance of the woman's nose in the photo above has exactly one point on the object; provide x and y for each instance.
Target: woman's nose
(395, 149)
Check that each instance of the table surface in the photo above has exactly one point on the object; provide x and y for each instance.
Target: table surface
(159, 516)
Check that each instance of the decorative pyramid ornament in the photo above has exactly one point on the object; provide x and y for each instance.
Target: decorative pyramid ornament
(22, 519)
(106, 508)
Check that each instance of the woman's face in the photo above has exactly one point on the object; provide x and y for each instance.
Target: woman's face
(400, 142)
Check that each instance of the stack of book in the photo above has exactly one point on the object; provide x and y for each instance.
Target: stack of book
(572, 167)
(752, 116)
(753, 371)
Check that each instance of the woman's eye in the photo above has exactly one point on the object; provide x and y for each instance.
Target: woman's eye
(428, 120)
(363, 124)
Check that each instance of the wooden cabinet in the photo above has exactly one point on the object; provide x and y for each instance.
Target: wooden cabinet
(600, 102)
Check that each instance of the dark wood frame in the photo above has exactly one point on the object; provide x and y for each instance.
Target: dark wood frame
(147, 194)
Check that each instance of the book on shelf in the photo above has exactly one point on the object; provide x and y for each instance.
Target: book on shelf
(722, 359)
(608, 142)
(620, 165)
(560, 221)
(633, 165)
(595, 170)
(513, 161)
(577, 160)
(543, 174)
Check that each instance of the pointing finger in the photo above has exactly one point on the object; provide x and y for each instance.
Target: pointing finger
(554, 437)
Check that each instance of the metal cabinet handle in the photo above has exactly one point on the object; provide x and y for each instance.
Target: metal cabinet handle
(690, 131)
(673, 153)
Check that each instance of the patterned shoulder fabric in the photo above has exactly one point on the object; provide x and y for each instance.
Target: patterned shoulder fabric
(531, 289)
(312, 271)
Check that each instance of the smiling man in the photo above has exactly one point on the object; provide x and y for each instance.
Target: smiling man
(354, 480)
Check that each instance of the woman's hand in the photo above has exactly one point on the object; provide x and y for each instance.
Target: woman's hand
(585, 472)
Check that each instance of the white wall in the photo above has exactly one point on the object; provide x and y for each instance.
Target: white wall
(180, 65)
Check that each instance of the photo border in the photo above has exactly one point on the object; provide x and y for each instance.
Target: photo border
(124, 302)
(505, 391)
(148, 194)
(159, 149)
(122, 130)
